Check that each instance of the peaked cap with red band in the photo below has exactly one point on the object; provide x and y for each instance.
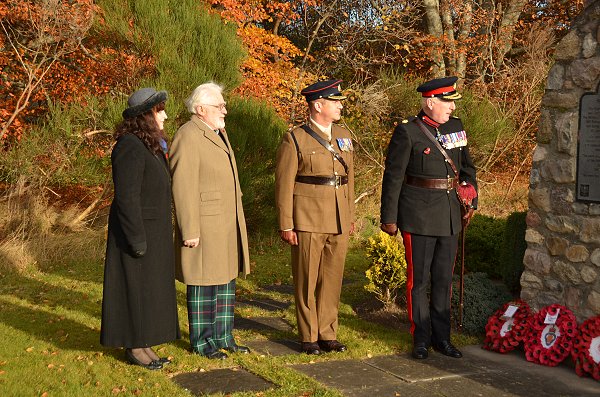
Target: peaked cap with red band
(444, 88)
(328, 89)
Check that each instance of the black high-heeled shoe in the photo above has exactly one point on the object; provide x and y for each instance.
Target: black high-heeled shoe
(163, 360)
(153, 365)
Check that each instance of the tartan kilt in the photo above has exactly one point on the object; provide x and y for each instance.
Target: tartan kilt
(210, 315)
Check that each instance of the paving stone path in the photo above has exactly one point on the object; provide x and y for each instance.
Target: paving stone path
(478, 373)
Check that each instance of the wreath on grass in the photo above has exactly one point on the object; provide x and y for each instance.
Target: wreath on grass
(552, 335)
(507, 328)
(586, 349)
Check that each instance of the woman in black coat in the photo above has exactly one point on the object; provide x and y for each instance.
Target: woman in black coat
(139, 308)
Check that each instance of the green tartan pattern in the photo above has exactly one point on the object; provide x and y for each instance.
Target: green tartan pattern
(210, 315)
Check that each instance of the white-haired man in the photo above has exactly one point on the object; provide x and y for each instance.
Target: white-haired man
(210, 233)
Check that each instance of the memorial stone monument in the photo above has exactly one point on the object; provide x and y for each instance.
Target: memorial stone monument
(562, 260)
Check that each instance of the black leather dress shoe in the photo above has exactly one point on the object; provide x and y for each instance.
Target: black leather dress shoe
(311, 348)
(332, 346)
(420, 351)
(153, 365)
(164, 360)
(216, 355)
(447, 349)
(237, 349)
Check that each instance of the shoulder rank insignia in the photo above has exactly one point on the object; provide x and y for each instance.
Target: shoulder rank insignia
(453, 140)
(345, 144)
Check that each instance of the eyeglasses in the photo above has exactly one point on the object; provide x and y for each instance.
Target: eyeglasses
(220, 106)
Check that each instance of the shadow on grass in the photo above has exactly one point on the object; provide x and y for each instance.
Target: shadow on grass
(52, 296)
(52, 328)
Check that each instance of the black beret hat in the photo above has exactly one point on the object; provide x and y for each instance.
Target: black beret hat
(444, 88)
(328, 89)
(142, 101)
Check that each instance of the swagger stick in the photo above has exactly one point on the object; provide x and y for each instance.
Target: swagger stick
(462, 284)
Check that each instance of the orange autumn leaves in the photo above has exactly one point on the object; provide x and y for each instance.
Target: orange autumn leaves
(269, 70)
(49, 56)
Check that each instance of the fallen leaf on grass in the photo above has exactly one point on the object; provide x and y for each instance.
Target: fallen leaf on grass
(50, 366)
(44, 394)
(29, 349)
(2, 372)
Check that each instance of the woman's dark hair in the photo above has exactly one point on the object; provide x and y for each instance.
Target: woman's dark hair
(144, 127)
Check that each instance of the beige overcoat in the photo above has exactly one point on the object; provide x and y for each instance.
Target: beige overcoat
(208, 205)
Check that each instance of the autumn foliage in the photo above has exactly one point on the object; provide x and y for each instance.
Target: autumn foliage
(270, 70)
(50, 56)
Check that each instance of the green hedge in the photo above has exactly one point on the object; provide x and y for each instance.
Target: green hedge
(482, 297)
(513, 251)
(483, 245)
(255, 130)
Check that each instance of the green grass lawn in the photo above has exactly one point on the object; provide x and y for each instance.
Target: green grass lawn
(50, 329)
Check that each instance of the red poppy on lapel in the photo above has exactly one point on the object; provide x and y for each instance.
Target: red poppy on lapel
(427, 151)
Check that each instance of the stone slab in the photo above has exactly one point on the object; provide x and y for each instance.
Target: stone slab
(275, 348)
(262, 324)
(358, 379)
(225, 381)
(281, 288)
(516, 374)
(436, 367)
(271, 305)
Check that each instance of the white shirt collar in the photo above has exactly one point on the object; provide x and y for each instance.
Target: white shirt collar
(324, 130)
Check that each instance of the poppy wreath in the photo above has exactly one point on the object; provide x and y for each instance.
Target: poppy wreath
(550, 344)
(586, 349)
(503, 335)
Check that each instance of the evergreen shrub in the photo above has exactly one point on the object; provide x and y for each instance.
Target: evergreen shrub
(482, 297)
(70, 146)
(188, 44)
(254, 130)
(513, 251)
(387, 273)
(483, 246)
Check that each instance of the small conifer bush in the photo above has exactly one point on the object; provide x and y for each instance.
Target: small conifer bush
(387, 273)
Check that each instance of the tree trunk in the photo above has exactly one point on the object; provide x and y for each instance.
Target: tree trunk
(506, 30)
(446, 14)
(434, 28)
(463, 37)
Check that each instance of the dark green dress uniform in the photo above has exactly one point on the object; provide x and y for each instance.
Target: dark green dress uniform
(429, 218)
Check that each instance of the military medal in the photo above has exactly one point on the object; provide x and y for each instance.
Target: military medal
(345, 144)
(453, 140)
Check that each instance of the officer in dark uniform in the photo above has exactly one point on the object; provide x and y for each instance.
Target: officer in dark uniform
(419, 197)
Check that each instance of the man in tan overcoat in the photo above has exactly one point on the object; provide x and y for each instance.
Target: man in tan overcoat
(314, 194)
(210, 233)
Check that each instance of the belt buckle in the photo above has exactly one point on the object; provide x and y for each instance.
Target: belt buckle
(450, 184)
(338, 181)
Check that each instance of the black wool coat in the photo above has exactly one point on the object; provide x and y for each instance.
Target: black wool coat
(417, 210)
(139, 307)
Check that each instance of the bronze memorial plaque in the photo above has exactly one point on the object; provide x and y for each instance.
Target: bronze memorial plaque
(588, 152)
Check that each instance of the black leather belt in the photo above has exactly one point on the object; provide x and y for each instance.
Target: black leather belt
(429, 183)
(336, 180)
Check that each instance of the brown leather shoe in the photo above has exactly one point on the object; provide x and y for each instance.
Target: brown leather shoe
(332, 346)
(311, 348)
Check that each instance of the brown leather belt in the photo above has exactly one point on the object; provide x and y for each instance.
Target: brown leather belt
(445, 184)
(336, 180)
